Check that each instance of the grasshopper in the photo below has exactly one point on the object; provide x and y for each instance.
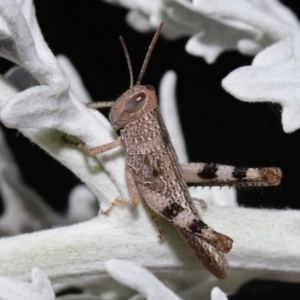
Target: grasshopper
(152, 169)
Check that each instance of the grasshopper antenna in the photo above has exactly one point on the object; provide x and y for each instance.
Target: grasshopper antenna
(146, 60)
(127, 60)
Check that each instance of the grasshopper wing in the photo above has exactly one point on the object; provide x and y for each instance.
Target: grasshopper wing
(210, 257)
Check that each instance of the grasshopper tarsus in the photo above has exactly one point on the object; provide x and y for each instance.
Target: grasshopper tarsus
(66, 140)
(108, 211)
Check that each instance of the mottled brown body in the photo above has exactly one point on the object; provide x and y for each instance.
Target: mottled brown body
(154, 165)
(152, 170)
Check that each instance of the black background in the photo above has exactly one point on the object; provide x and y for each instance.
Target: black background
(217, 127)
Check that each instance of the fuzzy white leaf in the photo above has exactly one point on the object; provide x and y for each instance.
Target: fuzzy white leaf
(215, 26)
(278, 10)
(217, 294)
(210, 36)
(53, 105)
(82, 205)
(273, 77)
(24, 209)
(248, 13)
(169, 111)
(76, 84)
(264, 240)
(50, 141)
(140, 279)
(39, 289)
(138, 21)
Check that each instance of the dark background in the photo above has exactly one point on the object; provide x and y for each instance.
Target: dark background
(217, 127)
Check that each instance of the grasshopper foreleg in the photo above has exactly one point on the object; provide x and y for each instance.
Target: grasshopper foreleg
(133, 190)
(94, 151)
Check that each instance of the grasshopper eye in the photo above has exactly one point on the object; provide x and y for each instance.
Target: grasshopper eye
(136, 102)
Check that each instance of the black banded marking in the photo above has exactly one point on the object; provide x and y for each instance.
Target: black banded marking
(197, 226)
(209, 172)
(172, 210)
(239, 173)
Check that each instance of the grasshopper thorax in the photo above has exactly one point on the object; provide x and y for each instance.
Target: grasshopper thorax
(132, 105)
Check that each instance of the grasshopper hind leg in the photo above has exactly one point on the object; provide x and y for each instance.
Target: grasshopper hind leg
(203, 174)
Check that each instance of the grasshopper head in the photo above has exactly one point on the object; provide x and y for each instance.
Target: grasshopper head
(132, 105)
(139, 99)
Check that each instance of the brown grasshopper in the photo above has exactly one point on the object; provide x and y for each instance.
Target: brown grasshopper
(152, 169)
